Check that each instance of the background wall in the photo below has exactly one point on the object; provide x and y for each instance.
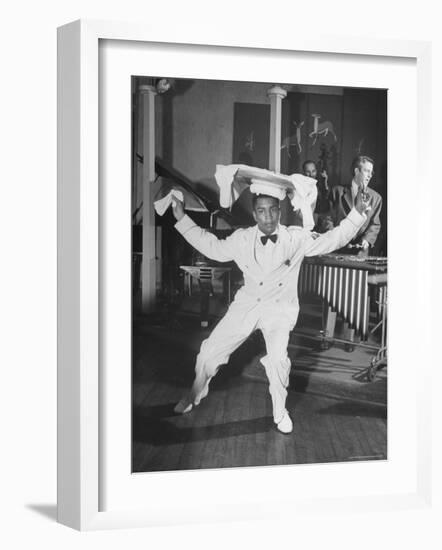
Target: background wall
(28, 274)
(195, 126)
(202, 123)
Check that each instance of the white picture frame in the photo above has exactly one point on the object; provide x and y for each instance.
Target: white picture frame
(79, 323)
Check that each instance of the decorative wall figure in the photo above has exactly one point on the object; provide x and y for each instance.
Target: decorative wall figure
(321, 128)
(250, 142)
(251, 145)
(298, 135)
(294, 140)
(359, 148)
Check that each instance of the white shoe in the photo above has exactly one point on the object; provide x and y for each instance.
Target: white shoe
(285, 425)
(183, 406)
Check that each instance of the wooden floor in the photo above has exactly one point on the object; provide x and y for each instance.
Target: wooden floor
(337, 414)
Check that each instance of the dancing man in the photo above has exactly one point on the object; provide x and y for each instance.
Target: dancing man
(270, 256)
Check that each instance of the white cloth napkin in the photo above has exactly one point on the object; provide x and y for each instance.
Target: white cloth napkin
(302, 188)
(163, 204)
(229, 188)
(304, 198)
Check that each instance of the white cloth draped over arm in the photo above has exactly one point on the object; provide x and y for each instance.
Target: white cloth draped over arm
(336, 238)
(220, 250)
(304, 198)
(232, 179)
(229, 189)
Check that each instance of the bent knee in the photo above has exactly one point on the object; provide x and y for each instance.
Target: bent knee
(278, 361)
(209, 359)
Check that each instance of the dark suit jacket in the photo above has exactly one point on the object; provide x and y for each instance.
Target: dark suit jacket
(341, 204)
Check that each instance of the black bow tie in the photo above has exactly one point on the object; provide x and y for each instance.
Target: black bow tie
(273, 238)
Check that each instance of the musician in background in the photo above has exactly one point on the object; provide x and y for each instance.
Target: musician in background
(310, 169)
(342, 198)
(322, 215)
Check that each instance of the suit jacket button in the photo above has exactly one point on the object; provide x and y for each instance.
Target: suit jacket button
(259, 299)
(260, 284)
(280, 284)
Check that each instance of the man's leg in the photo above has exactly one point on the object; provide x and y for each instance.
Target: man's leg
(277, 366)
(226, 337)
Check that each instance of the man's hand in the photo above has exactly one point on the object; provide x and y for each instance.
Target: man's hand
(178, 209)
(365, 245)
(362, 202)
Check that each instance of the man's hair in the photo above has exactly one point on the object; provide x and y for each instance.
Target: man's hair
(359, 161)
(304, 164)
(256, 197)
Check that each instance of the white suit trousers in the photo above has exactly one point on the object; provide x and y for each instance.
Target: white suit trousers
(229, 334)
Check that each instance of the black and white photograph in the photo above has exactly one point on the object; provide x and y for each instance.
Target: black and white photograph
(221, 275)
(259, 274)
(220, 290)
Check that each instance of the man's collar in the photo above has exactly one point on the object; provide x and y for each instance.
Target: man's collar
(354, 186)
(261, 234)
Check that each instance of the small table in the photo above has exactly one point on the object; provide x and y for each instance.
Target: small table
(205, 275)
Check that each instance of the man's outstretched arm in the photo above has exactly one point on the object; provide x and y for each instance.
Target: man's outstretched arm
(342, 234)
(371, 233)
(220, 250)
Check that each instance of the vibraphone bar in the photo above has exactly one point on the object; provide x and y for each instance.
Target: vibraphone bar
(342, 281)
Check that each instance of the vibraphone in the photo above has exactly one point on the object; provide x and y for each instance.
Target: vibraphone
(343, 282)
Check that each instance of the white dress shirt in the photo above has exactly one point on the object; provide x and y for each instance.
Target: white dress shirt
(270, 255)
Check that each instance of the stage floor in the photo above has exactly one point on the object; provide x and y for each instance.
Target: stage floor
(338, 415)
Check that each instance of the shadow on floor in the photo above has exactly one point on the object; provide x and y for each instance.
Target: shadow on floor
(169, 360)
(153, 427)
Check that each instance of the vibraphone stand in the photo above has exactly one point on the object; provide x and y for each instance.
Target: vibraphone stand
(380, 359)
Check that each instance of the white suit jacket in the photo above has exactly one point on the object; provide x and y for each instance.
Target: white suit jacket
(275, 292)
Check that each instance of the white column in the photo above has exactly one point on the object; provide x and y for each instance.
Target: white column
(148, 269)
(276, 95)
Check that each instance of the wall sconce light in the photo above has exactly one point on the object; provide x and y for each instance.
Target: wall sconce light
(163, 85)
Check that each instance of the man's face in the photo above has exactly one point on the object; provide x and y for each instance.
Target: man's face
(310, 170)
(266, 214)
(364, 174)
